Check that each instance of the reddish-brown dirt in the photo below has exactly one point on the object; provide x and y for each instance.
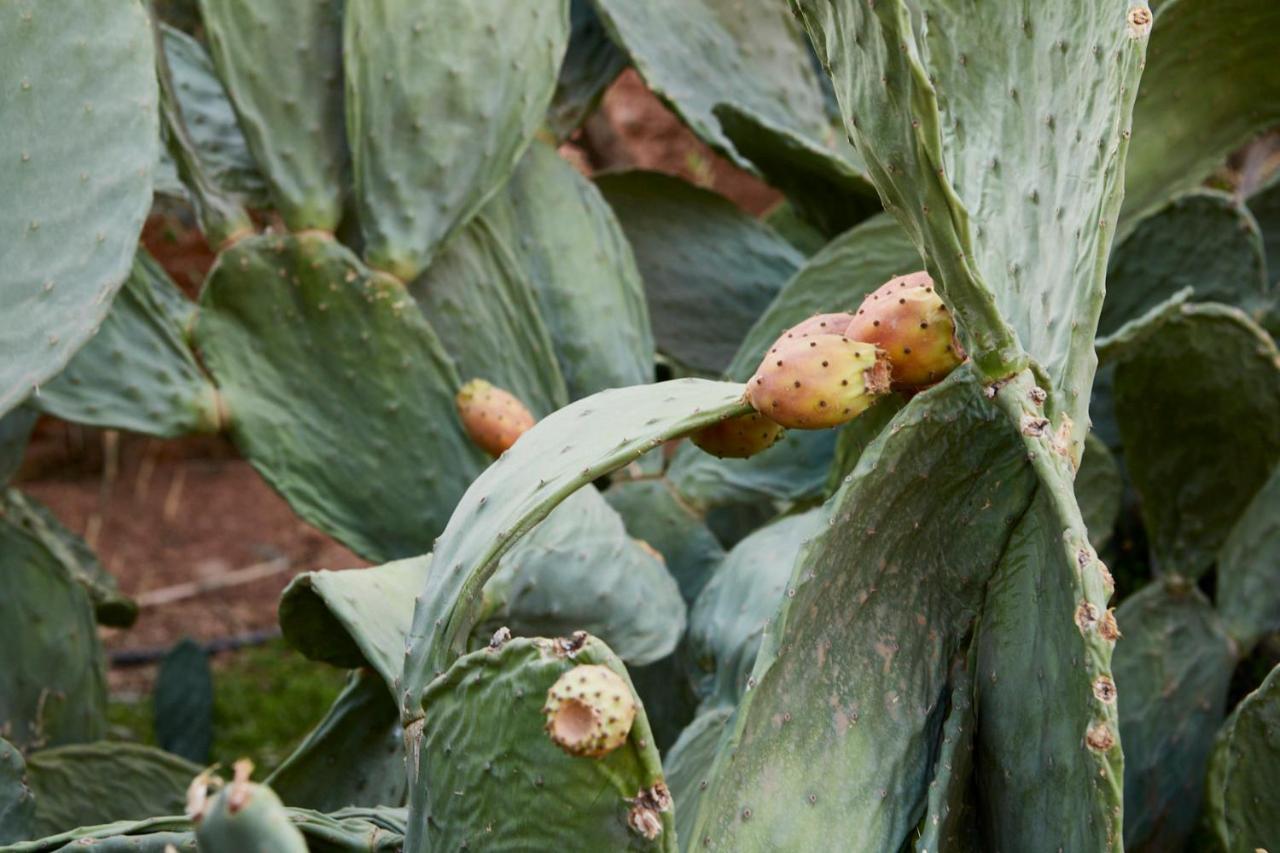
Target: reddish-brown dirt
(161, 513)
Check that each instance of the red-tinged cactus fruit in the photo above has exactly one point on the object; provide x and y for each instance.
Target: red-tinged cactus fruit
(493, 418)
(739, 437)
(818, 382)
(589, 711)
(906, 318)
(818, 324)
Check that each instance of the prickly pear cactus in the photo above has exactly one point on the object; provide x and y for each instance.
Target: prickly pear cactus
(1241, 792)
(1248, 591)
(17, 805)
(242, 816)
(819, 382)
(183, 702)
(905, 317)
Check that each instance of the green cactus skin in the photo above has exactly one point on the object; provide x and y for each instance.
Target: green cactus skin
(1172, 668)
(1198, 405)
(520, 790)
(569, 242)
(591, 63)
(1194, 107)
(688, 764)
(1242, 791)
(1264, 204)
(435, 128)
(1099, 490)
(841, 714)
(361, 734)
(15, 430)
(1248, 575)
(709, 268)
(291, 111)
(53, 684)
(282, 316)
(738, 438)
(95, 783)
(79, 143)
(818, 382)
(183, 702)
(244, 817)
(494, 418)
(17, 804)
(481, 302)
(949, 821)
(139, 372)
(906, 318)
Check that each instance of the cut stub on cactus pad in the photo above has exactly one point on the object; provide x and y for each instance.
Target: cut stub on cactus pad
(492, 417)
(740, 437)
(589, 711)
(906, 318)
(485, 775)
(818, 382)
(241, 816)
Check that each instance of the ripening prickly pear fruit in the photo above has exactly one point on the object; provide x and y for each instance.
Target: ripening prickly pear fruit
(242, 817)
(818, 382)
(905, 317)
(589, 711)
(740, 437)
(493, 418)
(818, 324)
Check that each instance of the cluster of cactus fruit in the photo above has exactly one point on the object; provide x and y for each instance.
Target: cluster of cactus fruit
(603, 617)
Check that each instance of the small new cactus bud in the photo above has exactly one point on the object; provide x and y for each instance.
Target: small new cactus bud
(818, 324)
(818, 382)
(493, 418)
(241, 816)
(740, 437)
(589, 711)
(905, 317)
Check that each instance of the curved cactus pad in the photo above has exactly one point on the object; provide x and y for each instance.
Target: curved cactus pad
(284, 316)
(290, 110)
(1172, 668)
(1248, 584)
(435, 126)
(1099, 490)
(1198, 404)
(591, 63)
(17, 805)
(852, 679)
(1242, 792)
(138, 373)
(79, 144)
(496, 779)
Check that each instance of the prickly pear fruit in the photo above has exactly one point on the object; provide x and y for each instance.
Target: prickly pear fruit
(241, 817)
(818, 324)
(492, 417)
(818, 382)
(589, 711)
(740, 437)
(905, 317)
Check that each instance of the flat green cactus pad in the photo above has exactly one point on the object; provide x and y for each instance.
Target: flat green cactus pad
(95, 783)
(1205, 240)
(360, 734)
(183, 702)
(53, 686)
(1242, 792)
(283, 316)
(1198, 405)
(709, 269)
(839, 721)
(689, 761)
(1209, 85)
(79, 142)
(291, 110)
(1172, 667)
(495, 780)
(480, 302)
(584, 275)
(138, 373)
(17, 804)
(591, 63)
(1248, 577)
(435, 129)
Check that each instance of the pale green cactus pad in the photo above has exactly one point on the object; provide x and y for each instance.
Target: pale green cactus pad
(1248, 577)
(1198, 405)
(79, 144)
(518, 789)
(591, 63)
(584, 275)
(139, 372)
(1242, 791)
(709, 268)
(94, 783)
(481, 304)
(291, 111)
(17, 805)
(361, 734)
(434, 130)
(283, 316)
(1172, 668)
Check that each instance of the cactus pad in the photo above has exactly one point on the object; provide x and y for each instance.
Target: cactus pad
(1242, 791)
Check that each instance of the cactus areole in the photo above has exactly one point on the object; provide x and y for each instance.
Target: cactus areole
(492, 417)
(819, 381)
(905, 317)
(589, 711)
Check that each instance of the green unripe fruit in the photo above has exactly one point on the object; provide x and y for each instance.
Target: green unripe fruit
(492, 417)
(242, 817)
(589, 711)
(740, 437)
(818, 382)
(906, 318)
